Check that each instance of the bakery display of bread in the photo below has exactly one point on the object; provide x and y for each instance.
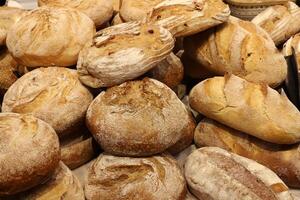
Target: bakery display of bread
(29, 152)
(279, 21)
(63, 185)
(283, 160)
(100, 11)
(248, 9)
(255, 57)
(8, 17)
(49, 36)
(100, 100)
(213, 173)
(138, 118)
(53, 94)
(123, 52)
(255, 109)
(151, 178)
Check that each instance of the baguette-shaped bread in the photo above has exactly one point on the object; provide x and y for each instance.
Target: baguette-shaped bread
(241, 48)
(252, 108)
(215, 174)
(100, 11)
(280, 21)
(283, 160)
(123, 52)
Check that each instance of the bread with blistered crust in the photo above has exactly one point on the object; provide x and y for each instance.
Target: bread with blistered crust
(49, 36)
(138, 118)
(100, 11)
(151, 178)
(123, 52)
(254, 58)
(279, 21)
(8, 17)
(215, 174)
(283, 160)
(254, 109)
(29, 152)
(63, 184)
(53, 94)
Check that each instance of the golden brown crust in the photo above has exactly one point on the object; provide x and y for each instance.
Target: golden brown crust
(52, 94)
(138, 118)
(100, 11)
(29, 152)
(151, 178)
(283, 160)
(252, 108)
(49, 36)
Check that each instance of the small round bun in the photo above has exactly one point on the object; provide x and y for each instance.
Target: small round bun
(100, 11)
(63, 184)
(126, 178)
(52, 94)
(50, 36)
(29, 152)
(138, 118)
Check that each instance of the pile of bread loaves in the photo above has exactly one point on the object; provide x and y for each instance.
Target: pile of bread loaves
(126, 82)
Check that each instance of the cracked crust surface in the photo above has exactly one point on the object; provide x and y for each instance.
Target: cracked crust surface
(255, 57)
(213, 173)
(138, 118)
(251, 108)
(126, 178)
(49, 37)
(52, 94)
(29, 152)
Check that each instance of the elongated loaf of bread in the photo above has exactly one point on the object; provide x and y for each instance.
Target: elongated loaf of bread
(238, 47)
(252, 108)
(215, 174)
(283, 160)
(280, 21)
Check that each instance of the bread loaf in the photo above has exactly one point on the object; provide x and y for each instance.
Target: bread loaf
(49, 36)
(215, 174)
(251, 108)
(188, 17)
(8, 17)
(138, 118)
(29, 152)
(283, 160)
(151, 178)
(100, 11)
(169, 71)
(255, 57)
(52, 94)
(63, 184)
(123, 52)
(279, 21)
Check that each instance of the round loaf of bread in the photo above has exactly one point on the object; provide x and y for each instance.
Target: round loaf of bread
(29, 152)
(138, 118)
(8, 17)
(123, 52)
(152, 178)
(100, 11)
(215, 174)
(50, 36)
(63, 184)
(52, 94)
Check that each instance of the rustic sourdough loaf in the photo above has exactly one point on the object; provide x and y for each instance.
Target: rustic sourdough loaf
(255, 109)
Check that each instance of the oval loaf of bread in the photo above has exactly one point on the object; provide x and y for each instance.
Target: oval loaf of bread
(284, 160)
(215, 174)
(241, 48)
(123, 52)
(126, 178)
(251, 108)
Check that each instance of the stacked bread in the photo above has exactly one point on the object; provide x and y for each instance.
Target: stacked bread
(118, 98)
